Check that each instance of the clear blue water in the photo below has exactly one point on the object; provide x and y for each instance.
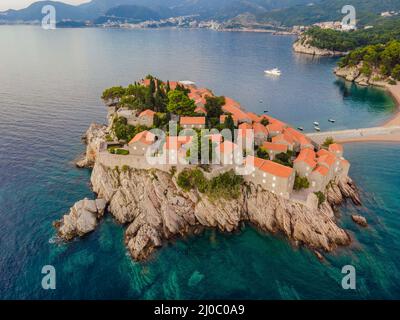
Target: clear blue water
(50, 83)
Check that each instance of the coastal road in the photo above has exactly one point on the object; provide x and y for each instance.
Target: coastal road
(389, 134)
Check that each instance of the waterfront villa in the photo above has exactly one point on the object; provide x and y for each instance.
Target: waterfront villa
(271, 176)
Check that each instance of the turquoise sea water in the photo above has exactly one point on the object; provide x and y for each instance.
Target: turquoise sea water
(49, 88)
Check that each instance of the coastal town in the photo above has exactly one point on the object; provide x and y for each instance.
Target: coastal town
(270, 153)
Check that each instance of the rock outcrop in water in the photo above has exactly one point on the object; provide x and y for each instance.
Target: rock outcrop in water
(95, 135)
(155, 209)
(302, 45)
(354, 74)
(82, 218)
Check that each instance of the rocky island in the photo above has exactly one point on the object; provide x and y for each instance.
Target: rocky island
(286, 184)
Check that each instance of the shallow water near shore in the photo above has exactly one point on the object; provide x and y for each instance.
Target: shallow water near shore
(50, 85)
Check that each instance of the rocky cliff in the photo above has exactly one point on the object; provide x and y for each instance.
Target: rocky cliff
(155, 210)
(302, 45)
(354, 74)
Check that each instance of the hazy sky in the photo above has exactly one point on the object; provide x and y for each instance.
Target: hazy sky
(18, 4)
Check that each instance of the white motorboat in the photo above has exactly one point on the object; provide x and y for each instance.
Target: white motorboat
(332, 120)
(301, 128)
(273, 72)
(317, 129)
(316, 123)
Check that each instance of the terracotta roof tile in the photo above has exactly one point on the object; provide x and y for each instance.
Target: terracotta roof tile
(276, 169)
(147, 113)
(335, 147)
(307, 156)
(193, 121)
(145, 137)
(275, 146)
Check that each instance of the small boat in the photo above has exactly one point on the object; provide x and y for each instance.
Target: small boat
(332, 120)
(317, 129)
(266, 111)
(316, 123)
(301, 128)
(273, 72)
(261, 101)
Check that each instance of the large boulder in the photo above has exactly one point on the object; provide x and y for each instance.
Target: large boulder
(81, 219)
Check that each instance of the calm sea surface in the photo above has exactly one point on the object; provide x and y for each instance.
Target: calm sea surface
(50, 83)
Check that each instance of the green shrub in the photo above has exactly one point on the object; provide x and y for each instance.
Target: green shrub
(284, 159)
(301, 183)
(226, 185)
(262, 153)
(125, 168)
(328, 141)
(321, 197)
(115, 150)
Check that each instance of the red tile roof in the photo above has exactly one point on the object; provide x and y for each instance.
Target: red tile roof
(275, 147)
(335, 147)
(270, 167)
(284, 137)
(175, 143)
(147, 113)
(254, 117)
(233, 107)
(254, 161)
(276, 169)
(307, 156)
(227, 147)
(298, 137)
(193, 121)
(322, 170)
(259, 128)
(145, 137)
(200, 110)
(275, 127)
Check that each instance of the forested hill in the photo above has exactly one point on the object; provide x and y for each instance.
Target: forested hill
(367, 11)
(381, 61)
(345, 41)
(204, 9)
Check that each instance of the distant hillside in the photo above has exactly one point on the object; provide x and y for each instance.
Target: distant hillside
(368, 12)
(129, 13)
(34, 12)
(205, 9)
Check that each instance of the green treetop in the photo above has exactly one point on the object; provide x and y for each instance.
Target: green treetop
(179, 103)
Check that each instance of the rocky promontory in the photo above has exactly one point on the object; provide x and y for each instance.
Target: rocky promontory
(302, 45)
(354, 74)
(154, 210)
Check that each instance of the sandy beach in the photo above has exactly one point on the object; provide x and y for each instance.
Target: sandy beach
(394, 90)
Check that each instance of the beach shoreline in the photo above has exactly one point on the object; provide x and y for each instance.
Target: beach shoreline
(394, 91)
(393, 121)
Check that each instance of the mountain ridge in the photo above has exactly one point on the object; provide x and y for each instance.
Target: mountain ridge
(205, 9)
